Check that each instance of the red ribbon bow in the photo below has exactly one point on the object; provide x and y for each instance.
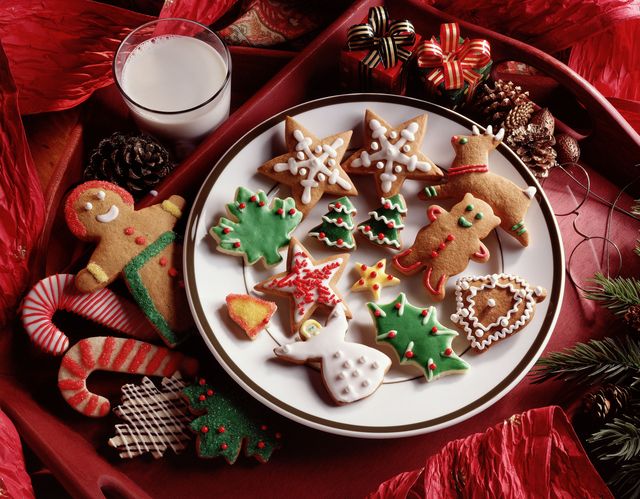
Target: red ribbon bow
(453, 62)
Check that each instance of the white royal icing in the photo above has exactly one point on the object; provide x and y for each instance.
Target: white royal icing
(109, 216)
(391, 154)
(317, 163)
(344, 383)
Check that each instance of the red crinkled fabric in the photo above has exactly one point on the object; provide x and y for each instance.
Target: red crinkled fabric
(21, 201)
(203, 11)
(14, 480)
(534, 454)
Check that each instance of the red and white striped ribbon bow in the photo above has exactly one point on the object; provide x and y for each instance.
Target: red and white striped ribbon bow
(453, 62)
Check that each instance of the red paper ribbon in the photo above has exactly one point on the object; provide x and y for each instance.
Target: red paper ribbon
(453, 62)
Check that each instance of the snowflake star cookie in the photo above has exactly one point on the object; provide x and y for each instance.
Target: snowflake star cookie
(417, 337)
(350, 371)
(312, 166)
(373, 278)
(260, 229)
(392, 155)
(492, 307)
(308, 283)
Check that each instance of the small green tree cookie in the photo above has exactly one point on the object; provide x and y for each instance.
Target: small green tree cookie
(385, 224)
(417, 337)
(336, 229)
(223, 428)
(260, 230)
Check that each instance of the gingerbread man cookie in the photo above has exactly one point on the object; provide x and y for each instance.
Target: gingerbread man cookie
(392, 154)
(469, 172)
(139, 245)
(445, 246)
(311, 167)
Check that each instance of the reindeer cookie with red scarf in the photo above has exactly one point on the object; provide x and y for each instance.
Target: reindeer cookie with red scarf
(139, 245)
(444, 247)
(469, 173)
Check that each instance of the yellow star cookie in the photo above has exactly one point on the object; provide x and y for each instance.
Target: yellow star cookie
(374, 278)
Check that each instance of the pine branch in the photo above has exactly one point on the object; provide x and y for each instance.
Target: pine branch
(616, 294)
(610, 360)
(619, 440)
(625, 481)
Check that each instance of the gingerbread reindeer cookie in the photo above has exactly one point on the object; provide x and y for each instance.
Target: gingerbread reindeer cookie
(444, 247)
(469, 173)
(139, 245)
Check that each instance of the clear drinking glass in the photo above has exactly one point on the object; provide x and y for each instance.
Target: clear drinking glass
(175, 76)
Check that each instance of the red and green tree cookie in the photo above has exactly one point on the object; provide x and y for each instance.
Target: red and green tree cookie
(336, 229)
(385, 223)
(260, 230)
(223, 428)
(417, 337)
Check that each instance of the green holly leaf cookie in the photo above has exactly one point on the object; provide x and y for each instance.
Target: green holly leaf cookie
(260, 230)
(224, 427)
(417, 337)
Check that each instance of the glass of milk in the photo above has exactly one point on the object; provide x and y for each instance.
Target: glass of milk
(175, 76)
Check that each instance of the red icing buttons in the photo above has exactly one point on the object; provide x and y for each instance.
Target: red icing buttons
(339, 220)
(242, 206)
(398, 305)
(322, 235)
(224, 446)
(442, 246)
(204, 429)
(261, 203)
(172, 272)
(338, 204)
(128, 231)
(221, 429)
(163, 261)
(379, 265)
(389, 277)
(140, 240)
(450, 237)
(408, 355)
(279, 211)
(434, 254)
(210, 392)
(424, 312)
(367, 228)
(361, 282)
(202, 398)
(261, 445)
(432, 366)
(387, 205)
(292, 211)
(380, 236)
(226, 230)
(376, 287)
(253, 198)
(390, 225)
(236, 244)
(391, 334)
(340, 242)
(202, 382)
(377, 313)
(448, 352)
(434, 329)
(363, 267)
(373, 275)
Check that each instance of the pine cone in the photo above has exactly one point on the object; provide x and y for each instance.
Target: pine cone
(534, 145)
(135, 162)
(602, 406)
(519, 116)
(545, 119)
(632, 317)
(567, 148)
(495, 103)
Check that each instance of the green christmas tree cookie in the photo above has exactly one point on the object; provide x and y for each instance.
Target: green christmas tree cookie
(260, 230)
(385, 223)
(223, 428)
(336, 229)
(417, 337)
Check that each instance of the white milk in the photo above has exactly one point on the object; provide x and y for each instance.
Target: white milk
(176, 73)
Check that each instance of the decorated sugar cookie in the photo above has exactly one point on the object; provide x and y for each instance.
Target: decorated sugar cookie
(493, 307)
(417, 337)
(308, 283)
(444, 247)
(138, 245)
(259, 230)
(336, 229)
(350, 371)
(250, 313)
(469, 173)
(385, 223)
(311, 167)
(373, 278)
(392, 154)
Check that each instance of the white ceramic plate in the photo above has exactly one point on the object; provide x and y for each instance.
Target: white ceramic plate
(405, 404)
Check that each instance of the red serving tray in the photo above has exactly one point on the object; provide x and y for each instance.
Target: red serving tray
(313, 463)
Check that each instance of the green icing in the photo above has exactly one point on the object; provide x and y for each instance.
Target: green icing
(240, 429)
(430, 191)
(479, 216)
(140, 293)
(413, 327)
(261, 231)
(380, 220)
(463, 222)
(469, 207)
(333, 229)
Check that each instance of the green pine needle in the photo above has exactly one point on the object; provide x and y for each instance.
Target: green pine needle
(610, 360)
(617, 294)
(625, 481)
(619, 440)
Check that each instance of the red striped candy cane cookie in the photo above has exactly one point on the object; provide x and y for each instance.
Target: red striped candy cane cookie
(58, 292)
(122, 355)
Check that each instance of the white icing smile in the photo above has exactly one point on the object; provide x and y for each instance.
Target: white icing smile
(109, 216)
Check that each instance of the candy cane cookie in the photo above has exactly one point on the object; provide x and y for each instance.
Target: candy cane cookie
(122, 355)
(58, 292)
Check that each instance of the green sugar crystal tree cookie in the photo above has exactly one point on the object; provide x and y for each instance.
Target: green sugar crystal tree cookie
(223, 428)
(417, 337)
(260, 230)
(336, 229)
